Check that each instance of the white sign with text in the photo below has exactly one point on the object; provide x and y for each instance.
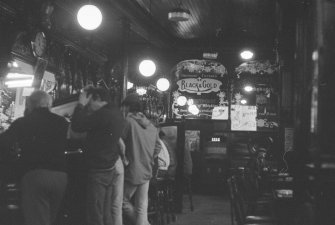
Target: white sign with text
(243, 117)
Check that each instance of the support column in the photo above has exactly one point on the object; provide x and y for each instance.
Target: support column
(9, 30)
(125, 57)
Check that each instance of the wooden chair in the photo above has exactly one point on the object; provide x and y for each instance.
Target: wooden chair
(240, 210)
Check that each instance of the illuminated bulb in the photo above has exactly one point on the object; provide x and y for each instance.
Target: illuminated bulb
(163, 84)
(181, 100)
(19, 80)
(89, 17)
(246, 54)
(248, 88)
(190, 102)
(193, 109)
(19, 76)
(243, 101)
(141, 91)
(19, 83)
(147, 68)
(129, 85)
(14, 64)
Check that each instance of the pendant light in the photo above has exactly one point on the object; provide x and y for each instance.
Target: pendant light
(163, 84)
(89, 17)
(147, 67)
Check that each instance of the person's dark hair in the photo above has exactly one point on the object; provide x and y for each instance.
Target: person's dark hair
(98, 92)
(133, 102)
(38, 99)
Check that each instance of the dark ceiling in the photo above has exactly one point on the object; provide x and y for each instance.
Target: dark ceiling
(225, 26)
(142, 26)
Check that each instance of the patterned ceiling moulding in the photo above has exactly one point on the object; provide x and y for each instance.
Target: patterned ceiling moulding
(257, 67)
(199, 66)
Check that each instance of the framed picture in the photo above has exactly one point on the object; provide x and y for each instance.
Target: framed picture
(192, 140)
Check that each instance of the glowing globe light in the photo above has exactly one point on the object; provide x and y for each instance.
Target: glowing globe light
(129, 85)
(190, 102)
(14, 64)
(193, 109)
(181, 100)
(141, 91)
(89, 17)
(163, 84)
(243, 101)
(147, 68)
(248, 88)
(246, 54)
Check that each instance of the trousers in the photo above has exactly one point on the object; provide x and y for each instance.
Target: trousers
(42, 192)
(104, 196)
(136, 212)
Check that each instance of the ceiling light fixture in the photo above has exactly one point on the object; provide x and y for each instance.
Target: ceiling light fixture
(89, 17)
(179, 14)
(14, 80)
(210, 55)
(147, 68)
(163, 84)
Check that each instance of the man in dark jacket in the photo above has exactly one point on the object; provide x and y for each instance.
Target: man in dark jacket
(103, 123)
(41, 135)
(142, 147)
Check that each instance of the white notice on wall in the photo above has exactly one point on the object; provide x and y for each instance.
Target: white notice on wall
(220, 113)
(48, 82)
(243, 118)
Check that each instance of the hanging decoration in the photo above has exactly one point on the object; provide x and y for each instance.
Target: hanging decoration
(256, 82)
(256, 67)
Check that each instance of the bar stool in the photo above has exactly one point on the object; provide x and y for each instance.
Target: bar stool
(169, 200)
(12, 204)
(261, 213)
(188, 189)
(155, 202)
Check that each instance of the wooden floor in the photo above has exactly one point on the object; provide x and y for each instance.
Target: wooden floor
(208, 210)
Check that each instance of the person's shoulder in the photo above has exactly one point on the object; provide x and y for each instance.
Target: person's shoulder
(130, 120)
(19, 121)
(109, 108)
(58, 118)
(111, 112)
(115, 109)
